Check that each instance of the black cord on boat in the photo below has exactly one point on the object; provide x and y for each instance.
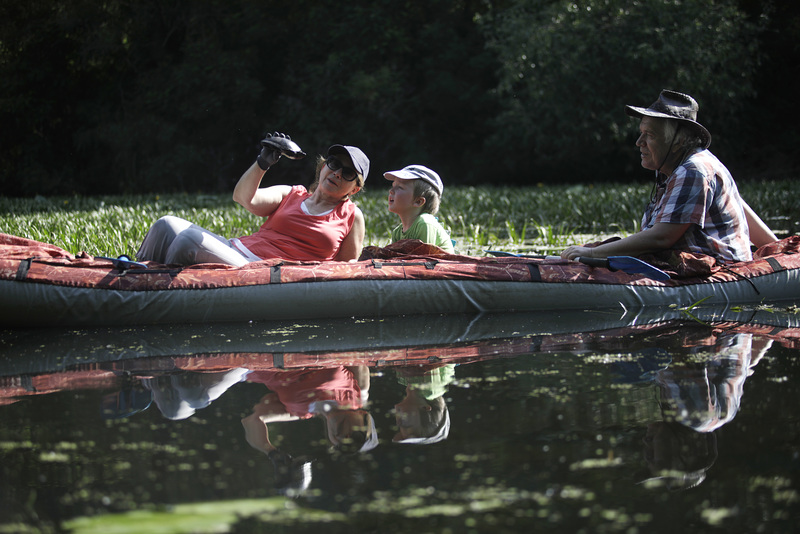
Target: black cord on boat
(741, 277)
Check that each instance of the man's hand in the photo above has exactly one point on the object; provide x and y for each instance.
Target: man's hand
(570, 253)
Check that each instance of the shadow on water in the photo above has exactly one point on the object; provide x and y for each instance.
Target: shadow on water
(568, 422)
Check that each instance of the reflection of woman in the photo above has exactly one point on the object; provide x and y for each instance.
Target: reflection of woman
(319, 224)
(336, 395)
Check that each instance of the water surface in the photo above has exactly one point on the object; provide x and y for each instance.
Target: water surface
(576, 422)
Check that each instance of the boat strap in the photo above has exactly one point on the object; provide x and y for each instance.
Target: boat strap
(24, 267)
(430, 264)
(533, 269)
(172, 272)
(775, 264)
(275, 273)
(740, 277)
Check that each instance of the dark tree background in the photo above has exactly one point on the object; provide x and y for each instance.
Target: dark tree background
(130, 96)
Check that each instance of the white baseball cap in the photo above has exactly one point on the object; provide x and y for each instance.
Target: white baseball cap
(417, 172)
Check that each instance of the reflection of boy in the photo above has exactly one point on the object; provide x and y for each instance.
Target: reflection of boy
(414, 196)
(422, 416)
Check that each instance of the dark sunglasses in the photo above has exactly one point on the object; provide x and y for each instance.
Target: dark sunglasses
(334, 164)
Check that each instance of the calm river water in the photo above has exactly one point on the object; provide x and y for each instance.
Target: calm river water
(667, 421)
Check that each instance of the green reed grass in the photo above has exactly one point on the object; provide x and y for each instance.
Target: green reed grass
(538, 219)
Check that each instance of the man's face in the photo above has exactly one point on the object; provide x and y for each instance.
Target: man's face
(652, 144)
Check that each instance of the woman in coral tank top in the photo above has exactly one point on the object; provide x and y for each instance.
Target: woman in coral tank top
(320, 223)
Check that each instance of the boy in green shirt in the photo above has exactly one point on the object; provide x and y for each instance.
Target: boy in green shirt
(414, 196)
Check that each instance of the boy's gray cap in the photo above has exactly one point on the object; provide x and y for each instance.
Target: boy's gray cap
(441, 433)
(417, 172)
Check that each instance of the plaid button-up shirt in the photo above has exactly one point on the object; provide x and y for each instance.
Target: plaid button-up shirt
(702, 192)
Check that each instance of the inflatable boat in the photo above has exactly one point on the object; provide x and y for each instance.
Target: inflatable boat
(43, 285)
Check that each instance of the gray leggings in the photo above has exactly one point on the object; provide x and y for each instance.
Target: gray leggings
(172, 240)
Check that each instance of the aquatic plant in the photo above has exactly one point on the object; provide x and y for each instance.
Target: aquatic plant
(538, 218)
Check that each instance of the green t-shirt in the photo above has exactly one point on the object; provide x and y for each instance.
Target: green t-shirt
(428, 230)
(433, 384)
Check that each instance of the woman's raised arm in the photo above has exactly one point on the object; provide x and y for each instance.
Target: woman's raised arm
(258, 201)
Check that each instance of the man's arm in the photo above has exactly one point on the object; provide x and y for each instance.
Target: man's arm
(760, 234)
(660, 236)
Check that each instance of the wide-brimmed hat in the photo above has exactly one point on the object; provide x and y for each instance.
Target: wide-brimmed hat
(360, 160)
(417, 172)
(676, 106)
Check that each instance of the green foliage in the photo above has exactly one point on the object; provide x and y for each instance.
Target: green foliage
(542, 219)
(165, 97)
(169, 97)
(568, 69)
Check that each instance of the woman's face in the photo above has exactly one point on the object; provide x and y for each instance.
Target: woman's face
(341, 424)
(333, 182)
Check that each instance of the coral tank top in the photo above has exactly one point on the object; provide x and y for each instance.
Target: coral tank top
(292, 234)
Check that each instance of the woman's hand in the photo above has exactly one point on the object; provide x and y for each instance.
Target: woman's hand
(268, 157)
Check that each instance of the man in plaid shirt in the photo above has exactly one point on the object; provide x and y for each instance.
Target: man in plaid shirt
(695, 204)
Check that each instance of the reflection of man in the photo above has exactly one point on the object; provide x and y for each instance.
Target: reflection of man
(705, 395)
(698, 396)
(677, 456)
(336, 395)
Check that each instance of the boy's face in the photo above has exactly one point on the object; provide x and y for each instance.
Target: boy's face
(408, 417)
(401, 197)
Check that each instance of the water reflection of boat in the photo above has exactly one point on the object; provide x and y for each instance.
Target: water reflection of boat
(42, 285)
(615, 396)
(31, 350)
(44, 361)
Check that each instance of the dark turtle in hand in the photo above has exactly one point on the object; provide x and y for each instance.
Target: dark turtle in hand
(284, 144)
